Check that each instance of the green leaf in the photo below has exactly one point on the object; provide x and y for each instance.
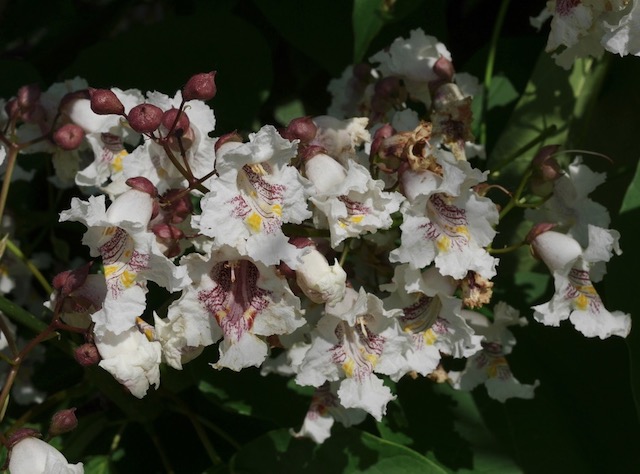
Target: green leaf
(631, 201)
(453, 434)
(285, 113)
(552, 109)
(368, 19)
(98, 465)
(501, 92)
(347, 451)
(621, 286)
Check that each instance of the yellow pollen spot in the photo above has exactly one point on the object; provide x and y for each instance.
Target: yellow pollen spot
(429, 337)
(356, 219)
(581, 302)
(116, 164)
(128, 278)
(277, 209)
(110, 269)
(443, 243)
(462, 230)
(254, 221)
(220, 315)
(348, 367)
(372, 358)
(109, 230)
(258, 169)
(494, 366)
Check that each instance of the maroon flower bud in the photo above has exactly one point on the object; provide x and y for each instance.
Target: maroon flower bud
(167, 231)
(200, 86)
(545, 171)
(145, 118)
(308, 152)
(226, 138)
(105, 102)
(302, 128)
(362, 72)
(388, 87)
(72, 97)
(175, 122)
(21, 434)
(301, 242)
(69, 136)
(87, 354)
(12, 108)
(63, 422)
(28, 96)
(178, 207)
(70, 280)
(538, 229)
(444, 69)
(380, 136)
(141, 183)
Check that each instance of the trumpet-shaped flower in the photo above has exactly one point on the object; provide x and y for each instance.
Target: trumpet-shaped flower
(325, 409)
(255, 193)
(432, 316)
(490, 366)
(237, 299)
(575, 297)
(350, 345)
(131, 358)
(353, 203)
(130, 256)
(34, 456)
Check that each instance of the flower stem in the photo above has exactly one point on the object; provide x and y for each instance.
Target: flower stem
(15, 250)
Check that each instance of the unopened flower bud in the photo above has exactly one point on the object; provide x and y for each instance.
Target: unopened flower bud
(105, 102)
(302, 128)
(545, 171)
(178, 207)
(200, 86)
(231, 137)
(556, 250)
(69, 136)
(145, 118)
(87, 354)
(318, 280)
(63, 422)
(175, 122)
(388, 87)
(28, 96)
(381, 134)
(362, 72)
(324, 172)
(142, 184)
(444, 69)
(70, 280)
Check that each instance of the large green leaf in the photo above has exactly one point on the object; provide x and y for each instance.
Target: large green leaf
(555, 104)
(368, 19)
(621, 282)
(347, 451)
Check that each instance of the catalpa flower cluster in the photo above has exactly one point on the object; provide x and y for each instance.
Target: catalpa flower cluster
(344, 250)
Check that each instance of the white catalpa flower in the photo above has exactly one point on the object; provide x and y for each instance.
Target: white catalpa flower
(352, 202)
(358, 340)
(452, 231)
(325, 409)
(33, 456)
(570, 207)
(575, 297)
(412, 60)
(341, 138)
(319, 281)
(130, 256)
(583, 28)
(432, 316)
(131, 358)
(237, 299)
(255, 193)
(489, 366)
